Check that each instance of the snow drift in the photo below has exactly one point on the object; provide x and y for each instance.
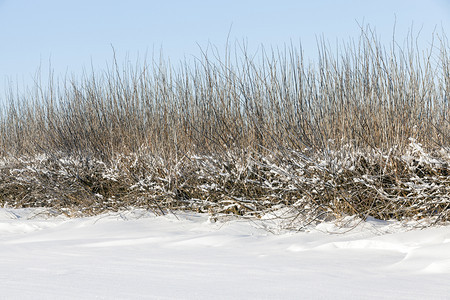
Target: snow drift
(136, 254)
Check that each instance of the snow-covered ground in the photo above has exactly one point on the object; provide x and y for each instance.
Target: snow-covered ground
(136, 255)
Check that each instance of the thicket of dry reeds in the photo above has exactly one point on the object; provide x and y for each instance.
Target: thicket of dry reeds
(364, 132)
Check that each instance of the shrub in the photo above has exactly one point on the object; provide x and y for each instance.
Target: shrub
(364, 132)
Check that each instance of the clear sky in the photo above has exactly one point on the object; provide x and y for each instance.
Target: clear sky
(73, 34)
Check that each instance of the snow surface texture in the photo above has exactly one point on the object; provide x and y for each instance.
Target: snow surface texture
(136, 255)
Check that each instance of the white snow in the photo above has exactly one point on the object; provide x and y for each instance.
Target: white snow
(136, 255)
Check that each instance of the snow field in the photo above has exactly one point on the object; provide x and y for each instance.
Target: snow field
(136, 255)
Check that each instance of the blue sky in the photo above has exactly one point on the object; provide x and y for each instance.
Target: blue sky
(73, 34)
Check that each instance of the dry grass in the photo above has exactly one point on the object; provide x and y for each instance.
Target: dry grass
(362, 132)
